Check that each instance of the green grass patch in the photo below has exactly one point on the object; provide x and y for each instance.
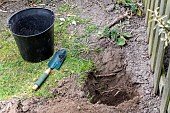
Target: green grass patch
(17, 75)
(65, 8)
(91, 28)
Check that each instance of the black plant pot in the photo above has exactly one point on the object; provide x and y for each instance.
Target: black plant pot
(33, 31)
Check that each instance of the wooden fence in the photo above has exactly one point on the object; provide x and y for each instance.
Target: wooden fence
(156, 52)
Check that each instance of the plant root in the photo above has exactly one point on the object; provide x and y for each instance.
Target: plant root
(105, 75)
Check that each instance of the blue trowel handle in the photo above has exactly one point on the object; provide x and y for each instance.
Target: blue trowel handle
(41, 79)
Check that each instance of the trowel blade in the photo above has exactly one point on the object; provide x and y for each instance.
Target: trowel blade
(57, 59)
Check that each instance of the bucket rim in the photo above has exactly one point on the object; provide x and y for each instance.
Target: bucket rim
(29, 9)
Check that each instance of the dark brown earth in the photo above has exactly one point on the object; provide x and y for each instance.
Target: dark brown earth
(121, 82)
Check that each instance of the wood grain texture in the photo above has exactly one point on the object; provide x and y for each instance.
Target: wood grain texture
(156, 37)
(151, 35)
(166, 91)
(147, 12)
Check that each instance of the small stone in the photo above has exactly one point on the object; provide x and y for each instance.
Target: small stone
(122, 9)
(13, 109)
(60, 84)
(9, 105)
(110, 8)
(55, 91)
(62, 19)
(145, 110)
(156, 110)
(25, 108)
(81, 94)
(11, 11)
(78, 107)
(58, 100)
(116, 11)
(147, 92)
(99, 102)
(26, 102)
(117, 6)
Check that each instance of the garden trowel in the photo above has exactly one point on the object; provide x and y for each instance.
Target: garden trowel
(55, 63)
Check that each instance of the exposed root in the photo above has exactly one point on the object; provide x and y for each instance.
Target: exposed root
(105, 75)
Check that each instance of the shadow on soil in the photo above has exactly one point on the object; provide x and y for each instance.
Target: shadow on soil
(111, 90)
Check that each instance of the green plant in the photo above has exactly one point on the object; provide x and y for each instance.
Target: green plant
(123, 2)
(91, 28)
(91, 98)
(63, 8)
(118, 36)
(164, 27)
(133, 5)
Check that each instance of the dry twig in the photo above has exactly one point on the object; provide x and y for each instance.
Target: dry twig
(125, 15)
(3, 11)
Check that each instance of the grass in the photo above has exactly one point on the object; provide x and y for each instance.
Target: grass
(17, 76)
(92, 28)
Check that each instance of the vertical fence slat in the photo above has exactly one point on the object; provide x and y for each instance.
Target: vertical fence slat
(152, 4)
(161, 51)
(150, 30)
(158, 67)
(147, 13)
(161, 84)
(157, 37)
(155, 49)
(168, 111)
(145, 7)
(166, 93)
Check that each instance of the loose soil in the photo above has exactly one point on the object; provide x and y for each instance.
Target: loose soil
(121, 82)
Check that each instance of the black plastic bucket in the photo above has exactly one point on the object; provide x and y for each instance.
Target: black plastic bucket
(33, 31)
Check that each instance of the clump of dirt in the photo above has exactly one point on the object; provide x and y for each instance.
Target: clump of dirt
(69, 87)
(66, 105)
